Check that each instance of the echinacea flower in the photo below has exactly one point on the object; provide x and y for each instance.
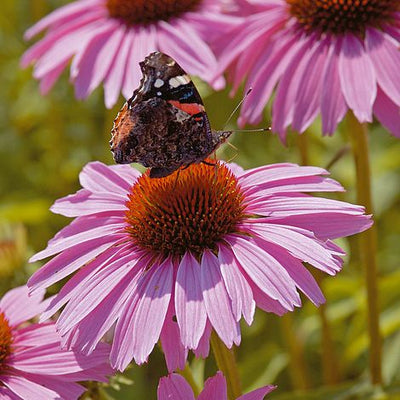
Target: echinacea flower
(175, 387)
(172, 258)
(106, 40)
(32, 363)
(323, 57)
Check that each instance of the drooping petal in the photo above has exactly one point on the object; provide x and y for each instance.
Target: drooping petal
(388, 113)
(236, 285)
(385, 56)
(257, 394)
(265, 271)
(189, 305)
(214, 388)
(174, 387)
(357, 78)
(217, 301)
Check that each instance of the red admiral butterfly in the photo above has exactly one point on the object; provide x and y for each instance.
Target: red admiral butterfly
(164, 126)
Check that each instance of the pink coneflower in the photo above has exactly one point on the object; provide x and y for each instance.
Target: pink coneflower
(175, 387)
(202, 248)
(324, 57)
(32, 364)
(106, 39)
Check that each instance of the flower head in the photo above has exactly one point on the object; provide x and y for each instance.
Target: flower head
(324, 57)
(106, 39)
(172, 258)
(32, 364)
(174, 387)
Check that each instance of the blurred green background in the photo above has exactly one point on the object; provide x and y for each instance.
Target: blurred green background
(44, 143)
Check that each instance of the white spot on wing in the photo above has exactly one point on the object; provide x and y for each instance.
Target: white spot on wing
(158, 93)
(158, 83)
(179, 80)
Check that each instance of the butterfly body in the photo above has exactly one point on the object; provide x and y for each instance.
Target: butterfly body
(164, 126)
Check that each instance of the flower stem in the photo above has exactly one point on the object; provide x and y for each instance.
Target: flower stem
(297, 367)
(368, 239)
(227, 364)
(187, 374)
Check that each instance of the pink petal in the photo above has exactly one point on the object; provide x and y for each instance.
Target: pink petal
(148, 315)
(385, 56)
(174, 387)
(357, 78)
(20, 306)
(333, 105)
(190, 311)
(84, 202)
(28, 389)
(183, 43)
(98, 177)
(81, 229)
(327, 225)
(91, 63)
(236, 285)
(257, 394)
(388, 113)
(265, 271)
(203, 349)
(214, 388)
(144, 43)
(97, 287)
(36, 335)
(59, 16)
(78, 281)
(100, 320)
(308, 97)
(299, 273)
(49, 79)
(272, 175)
(299, 243)
(69, 261)
(217, 302)
(171, 343)
(284, 103)
(116, 75)
(266, 303)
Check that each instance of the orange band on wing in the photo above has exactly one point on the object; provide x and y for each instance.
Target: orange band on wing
(190, 108)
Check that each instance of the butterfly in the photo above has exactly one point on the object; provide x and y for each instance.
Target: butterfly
(164, 125)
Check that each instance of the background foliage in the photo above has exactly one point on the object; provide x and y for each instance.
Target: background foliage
(44, 143)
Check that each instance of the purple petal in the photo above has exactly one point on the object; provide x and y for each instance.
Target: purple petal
(203, 349)
(257, 394)
(20, 306)
(217, 302)
(236, 285)
(385, 55)
(174, 387)
(214, 388)
(388, 113)
(115, 76)
(190, 311)
(265, 271)
(144, 313)
(333, 105)
(308, 96)
(357, 78)
(82, 229)
(91, 63)
(59, 16)
(98, 177)
(69, 261)
(299, 243)
(171, 343)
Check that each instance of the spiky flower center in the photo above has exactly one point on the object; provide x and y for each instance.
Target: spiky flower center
(6, 339)
(145, 12)
(343, 16)
(189, 210)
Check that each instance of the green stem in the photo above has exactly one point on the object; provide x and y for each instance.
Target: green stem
(297, 368)
(227, 364)
(359, 138)
(187, 374)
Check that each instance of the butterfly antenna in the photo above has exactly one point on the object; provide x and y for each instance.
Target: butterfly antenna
(236, 108)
